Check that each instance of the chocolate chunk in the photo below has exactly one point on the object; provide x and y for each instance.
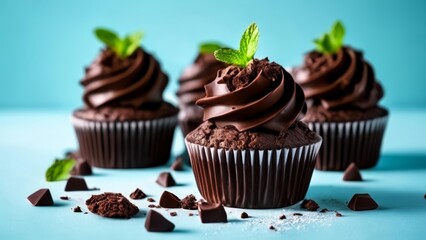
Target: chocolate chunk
(76, 184)
(352, 173)
(150, 199)
(212, 213)
(282, 217)
(169, 200)
(64, 198)
(177, 164)
(155, 222)
(77, 209)
(137, 194)
(362, 201)
(189, 202)
(173, 214)
(309, 205)
(324, 210)
(81, 168)
(41, 197)
(165, 179)
(297, 214)
(272, 228)
(244, 215)
(113, 205)
(338, 214)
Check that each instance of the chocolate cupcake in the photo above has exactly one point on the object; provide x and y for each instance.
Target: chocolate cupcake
(252, 151)
(191, 86)
(125, 122)
(342, 95)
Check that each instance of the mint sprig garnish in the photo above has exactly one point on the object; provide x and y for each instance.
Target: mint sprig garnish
(123, 47)
(209, 47)
(331, 42)
(248, 46)
(60, 169)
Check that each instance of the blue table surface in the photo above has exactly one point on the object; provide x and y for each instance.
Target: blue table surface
(30, 140)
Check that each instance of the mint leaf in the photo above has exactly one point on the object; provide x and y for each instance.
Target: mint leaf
(248, 46)
(249, 41)
(60, 169)
(231, 56)
(209, 47)
(331, 42)
(123, 47)
(131, 43)
(108, 37)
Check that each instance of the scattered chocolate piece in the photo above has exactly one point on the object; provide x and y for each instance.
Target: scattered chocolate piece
(177, 164)
(155, 222)
(324, 210)
(150, 199)
(151, 206)
(338, 214)
(165, 179)
(41, 197)
(352, 173)
(272, 228)
(113, 205)
(244, 215)
(282, 217)
(361, 202)
(173, 214)
(212, 213)
(81, 168)
(297, 214)
(189, 202)
(76, 184)
(137, 194)
(190, 214)
(309, 205)
(77, 209)
(169, 200)
(64, 198)
(73, 154)
(158, 206)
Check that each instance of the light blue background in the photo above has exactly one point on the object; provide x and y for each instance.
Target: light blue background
(45, 44)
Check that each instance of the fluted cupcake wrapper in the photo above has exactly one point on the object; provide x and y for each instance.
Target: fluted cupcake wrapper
(347, 142)
(253, 178)
(125, 144)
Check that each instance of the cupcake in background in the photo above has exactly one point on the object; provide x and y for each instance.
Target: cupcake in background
(191, 85)
(125, 122)
(342, 95)
(252, 151)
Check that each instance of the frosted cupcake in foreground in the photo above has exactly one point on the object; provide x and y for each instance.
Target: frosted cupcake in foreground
(125, 122)
(191, 86)
(342, 94)
(252, 151)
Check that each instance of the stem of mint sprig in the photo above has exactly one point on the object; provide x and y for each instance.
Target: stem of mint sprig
(244, 55)
(123, 47)
(331, 42)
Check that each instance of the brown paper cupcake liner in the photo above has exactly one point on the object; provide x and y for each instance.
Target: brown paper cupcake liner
(347, 142)
(253, 178)
(127, 144)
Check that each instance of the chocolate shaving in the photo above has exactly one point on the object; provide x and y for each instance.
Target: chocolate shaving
(113, 205)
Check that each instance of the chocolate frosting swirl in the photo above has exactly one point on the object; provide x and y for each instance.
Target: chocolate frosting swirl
(194, 77)
(262, 95)
(132, 82)
(339, 80)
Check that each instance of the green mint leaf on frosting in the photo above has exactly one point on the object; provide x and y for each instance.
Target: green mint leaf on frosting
(60, 169)
(248, 46)
(123, 47)
(331, 42)
(209, 47)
